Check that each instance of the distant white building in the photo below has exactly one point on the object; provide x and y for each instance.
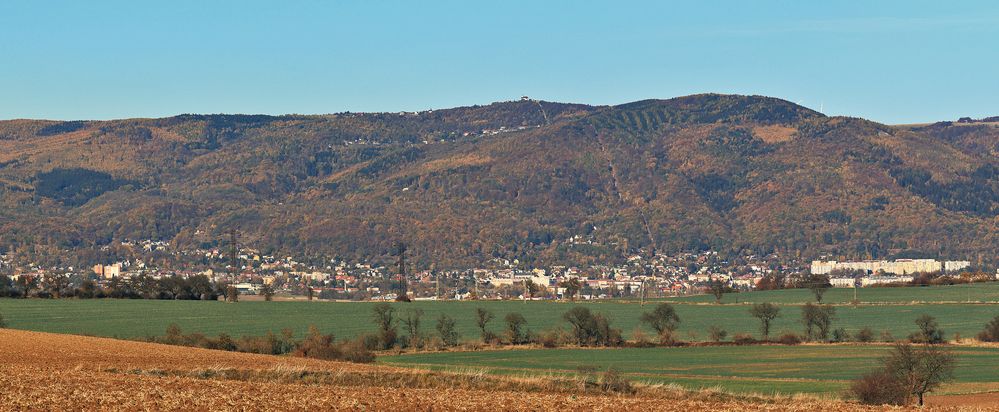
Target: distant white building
(108, 271)
(498, 281)
(247, 288)
(885, 280)
(847, 282)
(843, 282)
(956, 265)
(896, 267)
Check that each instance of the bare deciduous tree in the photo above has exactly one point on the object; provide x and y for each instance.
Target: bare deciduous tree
(929, 331)
(906, 373)
(718, 288)
(920, 371)
(447, 331)
(663, 319)
(384, 318)
(412, 325)
(766, 313)
(817, 320)
(482, 318)
(818, 284)
(515, 323)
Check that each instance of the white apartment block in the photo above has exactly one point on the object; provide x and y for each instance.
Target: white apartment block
(896, 267)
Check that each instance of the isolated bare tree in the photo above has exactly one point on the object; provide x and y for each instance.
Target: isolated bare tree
(515, 332)
(717, 288)
(412, 325)
(817, 320)
(447, 331)
(663, 319)
(920, 371)
(905, 373)
(818, 284)
(929, 330)
(482, 318)
(384, 318)
(766, 313)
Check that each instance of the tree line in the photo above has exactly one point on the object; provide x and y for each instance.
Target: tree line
(198, 287)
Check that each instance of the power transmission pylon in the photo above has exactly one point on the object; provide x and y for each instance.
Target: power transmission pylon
(642, 292)
(233, 266)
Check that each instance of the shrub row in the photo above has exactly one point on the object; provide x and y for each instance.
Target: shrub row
(314, 345)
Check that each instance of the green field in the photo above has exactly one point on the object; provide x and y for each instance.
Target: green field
(973, 293)
(139, 318)
(818, 369)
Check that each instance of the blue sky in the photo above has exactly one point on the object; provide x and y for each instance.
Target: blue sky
(889, 61)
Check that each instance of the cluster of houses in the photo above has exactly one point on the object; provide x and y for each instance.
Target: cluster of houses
(639, 275)
(660, 275)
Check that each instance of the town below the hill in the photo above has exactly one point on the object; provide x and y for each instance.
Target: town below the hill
(159, 271)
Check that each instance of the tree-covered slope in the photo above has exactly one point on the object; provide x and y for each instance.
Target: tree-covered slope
(542, 182)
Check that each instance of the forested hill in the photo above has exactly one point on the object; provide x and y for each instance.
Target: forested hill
(543, 182)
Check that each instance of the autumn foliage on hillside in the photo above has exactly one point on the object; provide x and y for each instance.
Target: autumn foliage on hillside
(517, 180)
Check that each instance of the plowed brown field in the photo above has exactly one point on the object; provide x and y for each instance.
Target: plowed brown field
(40, 371)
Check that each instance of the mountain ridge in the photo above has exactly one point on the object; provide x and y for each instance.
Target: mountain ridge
(518, 179)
